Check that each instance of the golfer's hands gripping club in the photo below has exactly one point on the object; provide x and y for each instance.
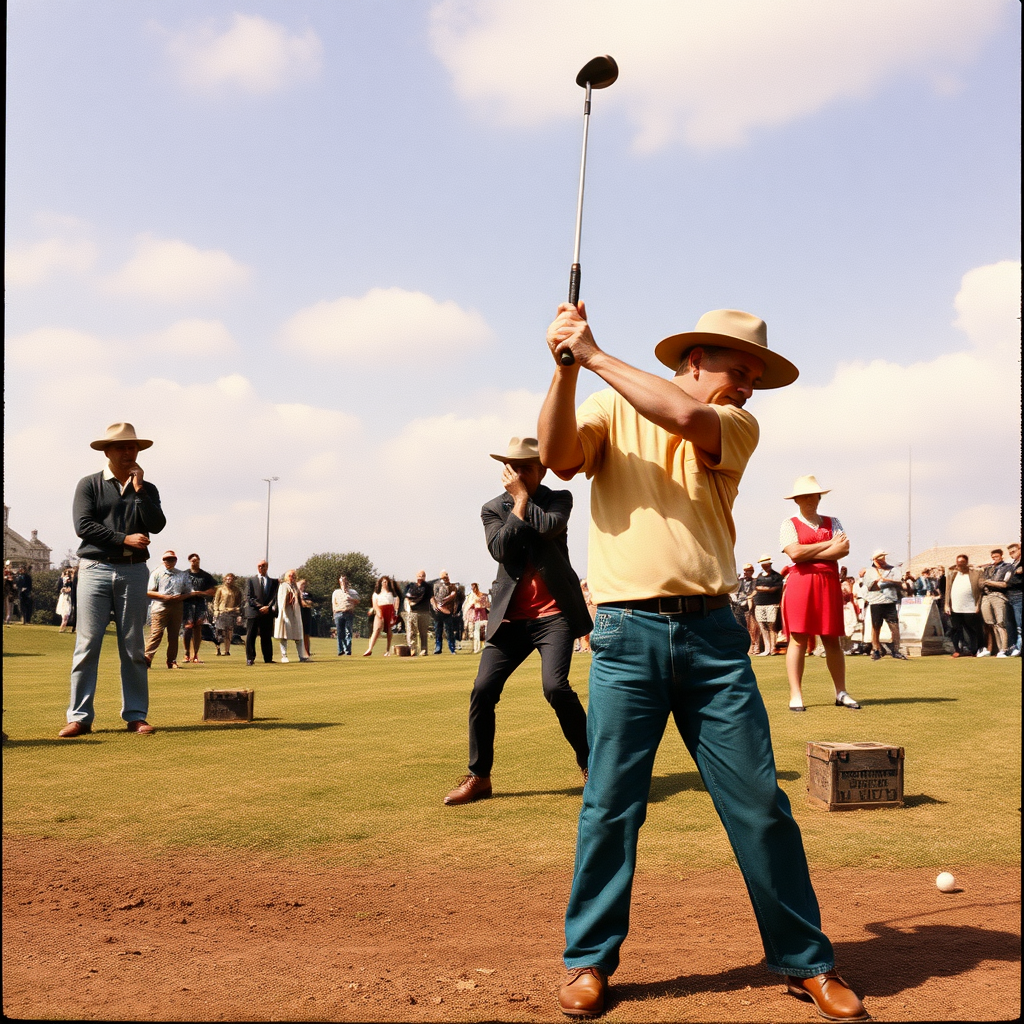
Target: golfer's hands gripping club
(570, 333)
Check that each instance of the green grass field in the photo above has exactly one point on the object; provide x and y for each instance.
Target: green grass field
(348, 760)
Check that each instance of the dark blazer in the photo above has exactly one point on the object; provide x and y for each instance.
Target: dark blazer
(540, 539)
(252, 603)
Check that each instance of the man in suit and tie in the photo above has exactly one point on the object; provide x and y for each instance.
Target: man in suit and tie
(536, 605)
(260, 609)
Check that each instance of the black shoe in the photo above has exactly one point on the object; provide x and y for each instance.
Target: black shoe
(876, 655)
(250, 662)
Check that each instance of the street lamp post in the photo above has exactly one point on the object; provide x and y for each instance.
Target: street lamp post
(268, 480)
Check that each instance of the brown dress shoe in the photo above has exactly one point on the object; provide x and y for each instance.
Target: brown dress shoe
(832, 997)
(74, 729)
(470, 788)
(142, 728)
(584, 992)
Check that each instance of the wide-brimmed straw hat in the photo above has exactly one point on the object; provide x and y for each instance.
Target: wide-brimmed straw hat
(120, 432)
(880, 553)
(806, 485)
(521, 449)
(731, 328)
(764, 558)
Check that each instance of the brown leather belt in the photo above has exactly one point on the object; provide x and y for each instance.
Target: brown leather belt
(695, 604)
(123, 559)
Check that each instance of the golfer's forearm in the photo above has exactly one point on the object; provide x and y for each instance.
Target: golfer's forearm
(557, 433)
(661, 402)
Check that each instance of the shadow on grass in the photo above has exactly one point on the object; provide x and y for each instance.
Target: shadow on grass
(257, 723)
(920, 800)
(22, 654)
(892, 961)
(662, 787)
(872, 702)
(97, 734)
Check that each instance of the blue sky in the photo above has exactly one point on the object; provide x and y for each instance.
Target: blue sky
(322, 241)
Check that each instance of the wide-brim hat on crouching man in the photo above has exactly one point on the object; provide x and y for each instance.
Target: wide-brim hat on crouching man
(119, 432)
(734, 329)
(520, 449)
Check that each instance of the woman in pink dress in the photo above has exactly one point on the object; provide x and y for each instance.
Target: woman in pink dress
(812, 602)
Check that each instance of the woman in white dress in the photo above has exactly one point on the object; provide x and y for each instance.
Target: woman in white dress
(288, 625)
(64, 601)
(385, 603)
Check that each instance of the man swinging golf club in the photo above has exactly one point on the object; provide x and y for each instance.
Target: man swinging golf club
(665, 458)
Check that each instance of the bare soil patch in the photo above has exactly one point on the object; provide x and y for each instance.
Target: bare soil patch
(97, 932)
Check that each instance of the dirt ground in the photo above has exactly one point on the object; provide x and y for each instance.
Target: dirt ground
(97, 932)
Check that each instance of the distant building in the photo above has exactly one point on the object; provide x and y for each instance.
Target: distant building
(945, 555)
(18, 551)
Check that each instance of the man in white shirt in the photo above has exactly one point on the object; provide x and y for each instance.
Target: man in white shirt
(963, 606)
(343, 604)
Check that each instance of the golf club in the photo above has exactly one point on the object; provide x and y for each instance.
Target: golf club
(598, 73)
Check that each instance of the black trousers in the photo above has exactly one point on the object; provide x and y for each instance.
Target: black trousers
(966, 631)
(264, 626)
(552, 637)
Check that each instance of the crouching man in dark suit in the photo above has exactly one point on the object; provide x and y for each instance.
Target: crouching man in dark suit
(259, 609)
(536, 605)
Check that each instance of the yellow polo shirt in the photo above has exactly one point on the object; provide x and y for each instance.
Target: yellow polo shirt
(660, 516)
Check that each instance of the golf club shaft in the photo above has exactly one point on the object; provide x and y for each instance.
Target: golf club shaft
(566, 358)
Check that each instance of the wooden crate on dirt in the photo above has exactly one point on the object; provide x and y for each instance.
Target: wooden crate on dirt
(228, 705)
(854, 776)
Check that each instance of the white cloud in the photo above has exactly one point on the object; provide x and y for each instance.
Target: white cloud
(254, 55)
(706, 73)
(48, 347)
(60, 351)
(206, 338)
(170, 270)
(988, 308)
(958, 415)
(385, 322)
(27, 265)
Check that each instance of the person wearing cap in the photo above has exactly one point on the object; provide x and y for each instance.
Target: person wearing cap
(665, 458)
(115, 511)
(883, 590)
(767, 599)
(812, 604)
(536, 605)
(168, 589)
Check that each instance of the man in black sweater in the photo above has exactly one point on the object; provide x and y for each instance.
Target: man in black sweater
(115, 511)
(536, 605)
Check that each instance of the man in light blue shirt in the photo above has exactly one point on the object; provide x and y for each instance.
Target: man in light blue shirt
(882, 590)
(168, 587)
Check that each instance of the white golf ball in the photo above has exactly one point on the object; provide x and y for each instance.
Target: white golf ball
(945, 882)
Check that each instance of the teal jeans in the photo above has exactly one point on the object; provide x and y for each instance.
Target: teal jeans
(695, 667)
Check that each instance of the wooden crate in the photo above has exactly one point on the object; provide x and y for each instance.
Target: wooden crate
(228, 705)
(854, 776)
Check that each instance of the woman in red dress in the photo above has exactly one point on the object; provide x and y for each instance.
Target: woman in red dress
(812, 602)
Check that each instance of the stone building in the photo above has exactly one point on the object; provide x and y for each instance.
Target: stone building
(19, 551)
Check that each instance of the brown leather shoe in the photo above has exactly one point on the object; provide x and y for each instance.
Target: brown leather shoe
(583, 993)
(470, 788)
(832, 997)
(142, 728)
(74, 729)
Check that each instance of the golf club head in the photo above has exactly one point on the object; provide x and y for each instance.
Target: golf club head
(599, 72)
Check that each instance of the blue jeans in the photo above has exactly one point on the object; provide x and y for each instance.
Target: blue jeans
(645, 667)
(1013, 618)
(343, 628)
(444, 624)
(103, 588)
